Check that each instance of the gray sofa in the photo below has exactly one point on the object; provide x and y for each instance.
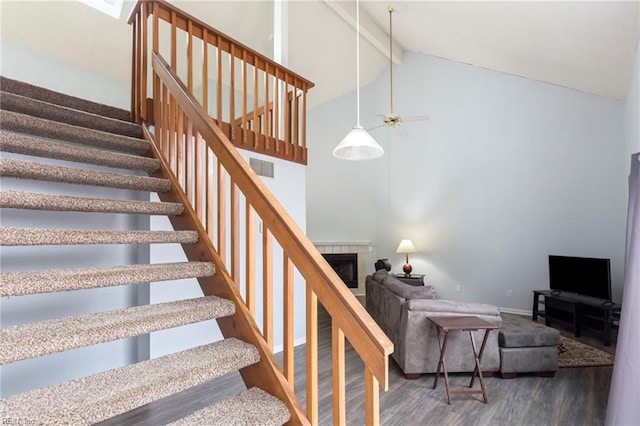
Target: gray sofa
(401, 310)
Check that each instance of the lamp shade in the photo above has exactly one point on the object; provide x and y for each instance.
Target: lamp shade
(406, 246)
(358, 145)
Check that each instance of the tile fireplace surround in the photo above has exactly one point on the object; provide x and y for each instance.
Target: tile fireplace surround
(361, 248)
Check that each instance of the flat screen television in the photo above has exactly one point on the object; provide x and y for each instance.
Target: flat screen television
(582, 275)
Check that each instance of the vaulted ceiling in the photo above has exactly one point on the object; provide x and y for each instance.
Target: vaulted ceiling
(584, 45)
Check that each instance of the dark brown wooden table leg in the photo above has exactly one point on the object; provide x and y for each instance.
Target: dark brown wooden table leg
(441, 362)
(478, 357)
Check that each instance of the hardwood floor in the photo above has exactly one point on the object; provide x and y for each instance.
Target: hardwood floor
(574, 396)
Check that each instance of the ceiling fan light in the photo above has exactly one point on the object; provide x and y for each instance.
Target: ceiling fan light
(358, 145)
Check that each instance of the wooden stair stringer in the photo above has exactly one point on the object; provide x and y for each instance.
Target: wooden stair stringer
(266, 373)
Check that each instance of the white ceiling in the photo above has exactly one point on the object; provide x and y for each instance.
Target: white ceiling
(584, 45)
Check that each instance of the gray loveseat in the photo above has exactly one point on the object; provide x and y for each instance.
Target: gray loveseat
(401, 310)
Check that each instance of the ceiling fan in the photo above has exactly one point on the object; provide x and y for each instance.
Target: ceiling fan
(391, 119)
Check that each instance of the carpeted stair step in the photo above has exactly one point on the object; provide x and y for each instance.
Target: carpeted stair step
(251, 407)
(55, 280)
(36, 201)
(36, 108)
(21, 169)
(18, 143)
(23, 123)
(46, 95)
(95, 398)
(62, 334)
(43, 236)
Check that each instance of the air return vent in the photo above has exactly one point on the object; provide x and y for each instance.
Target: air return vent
(261, 167)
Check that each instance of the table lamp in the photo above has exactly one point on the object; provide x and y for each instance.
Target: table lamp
(406, 247)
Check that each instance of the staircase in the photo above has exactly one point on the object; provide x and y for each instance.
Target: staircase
(38, 126)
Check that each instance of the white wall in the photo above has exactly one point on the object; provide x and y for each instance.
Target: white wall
(632, 111)
(506, 171)
(21, 64)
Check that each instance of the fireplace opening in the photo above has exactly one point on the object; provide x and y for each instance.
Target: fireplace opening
(346, 266)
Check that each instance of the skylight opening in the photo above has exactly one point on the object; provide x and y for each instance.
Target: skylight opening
(110, 7)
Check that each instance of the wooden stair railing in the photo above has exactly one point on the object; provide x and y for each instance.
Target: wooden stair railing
(230, 206)
(259, 104)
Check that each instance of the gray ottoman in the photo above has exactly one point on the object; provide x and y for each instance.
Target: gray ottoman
(527, 347)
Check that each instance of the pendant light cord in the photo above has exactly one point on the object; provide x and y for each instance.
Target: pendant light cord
(390, 9)
(358, 63)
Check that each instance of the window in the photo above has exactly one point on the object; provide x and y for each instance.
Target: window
(110, 7)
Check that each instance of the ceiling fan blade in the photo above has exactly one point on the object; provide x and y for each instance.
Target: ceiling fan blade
(401, 131)
(416, 118)
(374, 127)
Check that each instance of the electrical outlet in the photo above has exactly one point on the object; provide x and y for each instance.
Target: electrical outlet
(509, 293)
(459, 288)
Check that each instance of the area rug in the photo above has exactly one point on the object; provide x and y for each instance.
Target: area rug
(573, 353)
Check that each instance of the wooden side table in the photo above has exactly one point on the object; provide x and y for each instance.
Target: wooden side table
(463, 323)
(413, 279)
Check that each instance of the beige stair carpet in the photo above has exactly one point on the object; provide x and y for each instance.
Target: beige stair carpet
(36, 201)
(46, 172)
(40, 147)
(253, 407)
(95, 398)
(54, 280)
(62, 334)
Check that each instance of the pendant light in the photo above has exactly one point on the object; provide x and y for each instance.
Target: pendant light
(358, 144)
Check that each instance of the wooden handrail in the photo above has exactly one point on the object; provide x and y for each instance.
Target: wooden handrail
(367, 338)
(197, 153)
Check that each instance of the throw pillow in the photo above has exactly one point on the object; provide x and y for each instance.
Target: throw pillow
(380, 275)
(407, 291)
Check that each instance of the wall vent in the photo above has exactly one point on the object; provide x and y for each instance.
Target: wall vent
(261, 167)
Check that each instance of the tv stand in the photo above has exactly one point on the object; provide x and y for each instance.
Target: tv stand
(576, 309)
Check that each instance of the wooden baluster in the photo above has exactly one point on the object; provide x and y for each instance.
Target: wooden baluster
(304, 118)
(134, 71)
(267, 286)
(174, 47)
(287, 118)
(296, 121)
(190, 56)
(222, 212)
(287, 284)
(219, 88)
(143, 76)
(312, 355)
(232, 88)
(256, 124)
(250, 258)
(157, 110)
(337, 349)
(371, 398)
(276, 112)
(172, 133)
(243, 122)
(267, 120)
(189, 165)
(156, 27)
(235, 233)
(199, 177)
(180, 149)
(205, 70)
(209, 195)
(165, 122)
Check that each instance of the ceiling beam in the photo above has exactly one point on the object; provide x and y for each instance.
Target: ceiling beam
(369, 29)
